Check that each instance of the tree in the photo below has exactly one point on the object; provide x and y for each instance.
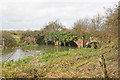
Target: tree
(8, 40)
(81, 26)
(52, 26)
(106, 26)
(96, 23)
(111, 17)
(110, 25)
(60, 36)
(29, 37)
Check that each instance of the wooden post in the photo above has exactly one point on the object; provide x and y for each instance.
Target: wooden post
(84, 41)
(3, 43)
(103, 66)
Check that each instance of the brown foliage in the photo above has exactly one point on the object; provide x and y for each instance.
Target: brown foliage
(29, 40)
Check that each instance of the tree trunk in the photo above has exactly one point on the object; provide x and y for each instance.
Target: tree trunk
(46, 43)
(68, 44)
(54, 42)
(59, 43)
(64, 44)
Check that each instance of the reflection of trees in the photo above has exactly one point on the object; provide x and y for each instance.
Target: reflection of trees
(25, 48)
(47, 48)
(8, 50)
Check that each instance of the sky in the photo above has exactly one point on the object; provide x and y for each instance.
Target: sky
(35, 14)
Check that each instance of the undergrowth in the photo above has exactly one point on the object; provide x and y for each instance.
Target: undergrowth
(74, 63)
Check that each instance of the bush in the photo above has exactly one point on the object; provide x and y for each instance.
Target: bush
(28, 37)
(32, 37)
(40, 39)
(8, 40)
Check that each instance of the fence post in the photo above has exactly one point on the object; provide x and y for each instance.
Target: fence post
(3, 44)
(103, 66)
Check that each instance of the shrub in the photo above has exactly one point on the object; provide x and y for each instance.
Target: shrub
(32, 37)
(8, 40)
(28, 37)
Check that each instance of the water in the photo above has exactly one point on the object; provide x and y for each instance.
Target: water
(19, 53)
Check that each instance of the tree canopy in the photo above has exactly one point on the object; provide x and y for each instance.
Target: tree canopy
(61, 36)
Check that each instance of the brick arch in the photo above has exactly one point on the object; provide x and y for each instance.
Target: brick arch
(79, 42)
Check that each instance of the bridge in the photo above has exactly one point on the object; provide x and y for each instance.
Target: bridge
(82, 43)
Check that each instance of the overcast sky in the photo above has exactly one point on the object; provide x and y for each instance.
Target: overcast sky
(35, 14)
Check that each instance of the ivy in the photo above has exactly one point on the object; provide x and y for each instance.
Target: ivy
(60, 36)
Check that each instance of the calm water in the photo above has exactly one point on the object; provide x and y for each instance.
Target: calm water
(19, 53)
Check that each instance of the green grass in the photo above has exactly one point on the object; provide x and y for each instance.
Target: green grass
(17, 37)
(32, 45)
(75, 63)
(50, 59)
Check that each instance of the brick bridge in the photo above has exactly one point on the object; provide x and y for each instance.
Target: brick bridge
(82, 43)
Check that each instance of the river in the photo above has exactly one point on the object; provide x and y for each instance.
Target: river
(21, 52)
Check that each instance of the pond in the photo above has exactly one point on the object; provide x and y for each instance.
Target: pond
(24, 51)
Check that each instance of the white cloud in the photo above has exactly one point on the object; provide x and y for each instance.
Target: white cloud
(34, 14)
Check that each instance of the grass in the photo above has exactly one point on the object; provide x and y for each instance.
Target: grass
(32, 45)
(17, 37)
(75, 63)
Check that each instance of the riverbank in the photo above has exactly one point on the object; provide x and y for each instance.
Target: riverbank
(78, 63)
(28, 50)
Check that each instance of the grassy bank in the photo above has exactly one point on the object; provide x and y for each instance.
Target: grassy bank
(75, 63)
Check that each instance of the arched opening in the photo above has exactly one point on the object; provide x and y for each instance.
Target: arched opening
(95, 44)
(72, 43)
(50, 43)
(62, 44)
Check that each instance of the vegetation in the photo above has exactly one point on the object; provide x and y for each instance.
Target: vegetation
(49, 68)
(61, 37)
(52, 26)
(75, 63)
(104, 26)
(62, 64)
(8, 40)
(17, 38)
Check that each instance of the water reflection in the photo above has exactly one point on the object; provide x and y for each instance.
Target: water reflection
(18, 54)
(25, 51)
